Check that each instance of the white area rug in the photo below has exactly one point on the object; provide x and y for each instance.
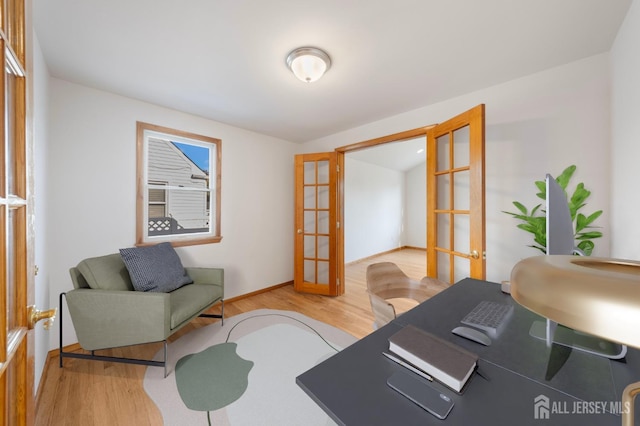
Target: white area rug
(281, 345)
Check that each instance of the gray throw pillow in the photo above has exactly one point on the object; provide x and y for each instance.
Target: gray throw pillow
(155, 268)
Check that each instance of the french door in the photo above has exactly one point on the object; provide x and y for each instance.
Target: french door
(455, 206)
(455, 198)
(16, 359)
(316, 259)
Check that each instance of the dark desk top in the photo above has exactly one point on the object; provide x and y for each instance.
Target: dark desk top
(351, 386)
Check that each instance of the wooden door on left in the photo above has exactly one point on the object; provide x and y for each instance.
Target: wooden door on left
(16, 279)
(315, 249)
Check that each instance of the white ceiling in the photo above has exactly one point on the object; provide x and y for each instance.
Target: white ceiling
(225, 59)
(401, 156)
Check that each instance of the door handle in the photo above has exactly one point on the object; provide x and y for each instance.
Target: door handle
(34, 315)
(476, 255)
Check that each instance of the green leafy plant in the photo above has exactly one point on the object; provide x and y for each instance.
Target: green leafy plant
(535, 220)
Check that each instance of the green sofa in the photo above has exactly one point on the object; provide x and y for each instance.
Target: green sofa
(107, 312)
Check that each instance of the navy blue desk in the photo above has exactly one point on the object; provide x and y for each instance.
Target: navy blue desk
(581, 389)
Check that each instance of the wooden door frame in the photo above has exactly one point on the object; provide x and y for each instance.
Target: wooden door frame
(341, 151)
(30, 265)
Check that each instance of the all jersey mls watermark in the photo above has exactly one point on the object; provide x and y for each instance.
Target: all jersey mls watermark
(545, 408)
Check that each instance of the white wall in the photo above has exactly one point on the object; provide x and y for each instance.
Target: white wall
(415, 211)
(92, 175)
(537, 124)
(42, 289)
(625, 113)
(374, 204)
(384, 209)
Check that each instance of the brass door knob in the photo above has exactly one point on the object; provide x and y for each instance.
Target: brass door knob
(475, 254)
(34, 315)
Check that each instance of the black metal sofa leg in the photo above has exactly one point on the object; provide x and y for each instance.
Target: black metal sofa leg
(221, 316)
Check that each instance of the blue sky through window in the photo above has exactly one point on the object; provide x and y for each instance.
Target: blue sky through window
(198, 154)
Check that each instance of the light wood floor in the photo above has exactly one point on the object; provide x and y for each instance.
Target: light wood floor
(104, 393)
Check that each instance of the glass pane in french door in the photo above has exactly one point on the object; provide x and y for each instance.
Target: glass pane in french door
(316, 213)
(315, 269)
(13, 244)
(456, 197)
(452, 204)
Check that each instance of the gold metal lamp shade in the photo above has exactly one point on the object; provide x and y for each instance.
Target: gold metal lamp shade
(599, 296)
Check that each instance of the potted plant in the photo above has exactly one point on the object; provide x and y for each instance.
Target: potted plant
(535, 220)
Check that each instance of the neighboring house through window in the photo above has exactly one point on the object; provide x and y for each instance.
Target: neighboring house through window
(157, 199)
(178, 186)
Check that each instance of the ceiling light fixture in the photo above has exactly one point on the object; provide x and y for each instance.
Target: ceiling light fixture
(308, 63)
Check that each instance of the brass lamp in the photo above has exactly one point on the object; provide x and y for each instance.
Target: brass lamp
(599, 296)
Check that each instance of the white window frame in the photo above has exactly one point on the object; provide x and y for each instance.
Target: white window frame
(145, 131)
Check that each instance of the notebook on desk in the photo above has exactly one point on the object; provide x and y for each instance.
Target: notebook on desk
(446, 362)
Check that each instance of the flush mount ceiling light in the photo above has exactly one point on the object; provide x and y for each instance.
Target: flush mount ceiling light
(308, 63)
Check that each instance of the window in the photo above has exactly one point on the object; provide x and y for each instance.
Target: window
(157, 200)
(178, 196)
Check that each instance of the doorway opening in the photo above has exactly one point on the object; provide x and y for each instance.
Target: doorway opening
(454, 191)
(383, 205)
